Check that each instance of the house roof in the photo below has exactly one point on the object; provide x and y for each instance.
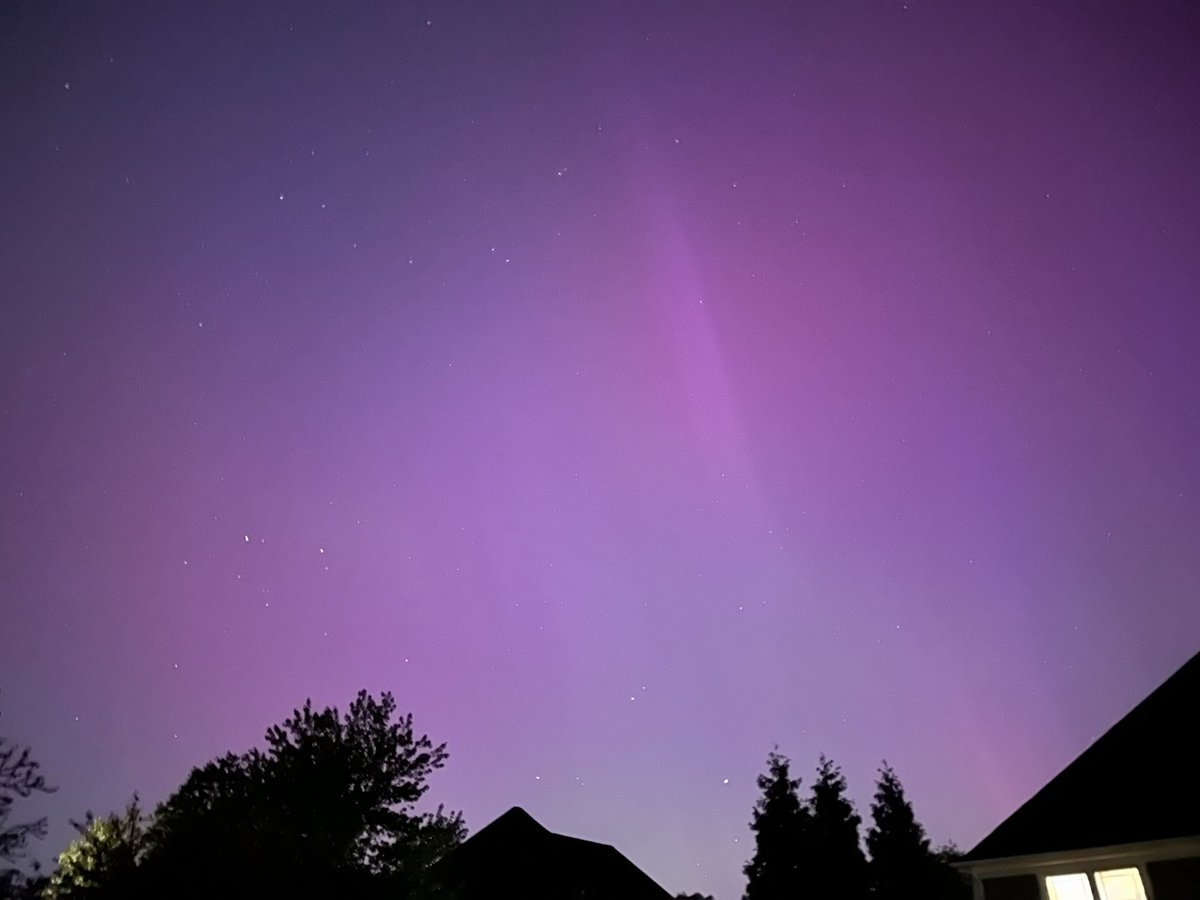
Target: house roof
(1140, 781)
(517, 856)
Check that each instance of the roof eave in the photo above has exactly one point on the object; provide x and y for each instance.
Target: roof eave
(1167, 848)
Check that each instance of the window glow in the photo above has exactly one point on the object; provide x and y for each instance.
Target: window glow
(1120, 884)
(1111, 884)
(1069, 887)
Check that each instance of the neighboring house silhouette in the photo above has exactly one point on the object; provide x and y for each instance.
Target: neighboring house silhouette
(1122, 822)
(514, 856)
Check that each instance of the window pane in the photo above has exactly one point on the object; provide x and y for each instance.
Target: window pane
(1120, 884)
(1069, 887)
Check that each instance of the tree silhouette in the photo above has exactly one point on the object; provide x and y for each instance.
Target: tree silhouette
(781, 827)
(948, 882)
(901, 862)
(326, 808)
(838, 867)
(20, 776)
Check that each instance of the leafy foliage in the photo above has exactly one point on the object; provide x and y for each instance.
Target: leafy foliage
(948, 882)
(103, 861)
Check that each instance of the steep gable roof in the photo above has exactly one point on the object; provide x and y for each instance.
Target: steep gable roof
(516, 856)
(1140, 781)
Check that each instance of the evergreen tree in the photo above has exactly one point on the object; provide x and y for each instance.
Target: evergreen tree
(901, 862)
(780, 825)
(838, 868)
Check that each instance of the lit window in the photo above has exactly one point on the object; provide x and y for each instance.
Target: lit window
(1120, 884)
(1113, 884)
(1075, 886)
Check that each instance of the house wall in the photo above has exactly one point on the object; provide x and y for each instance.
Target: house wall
(1170, 870)
(1175, 879)
(1010, 887)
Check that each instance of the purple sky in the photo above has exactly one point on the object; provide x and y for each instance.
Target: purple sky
(626, 386)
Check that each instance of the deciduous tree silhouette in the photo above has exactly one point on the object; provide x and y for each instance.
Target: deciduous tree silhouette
(20, 776)
(327, 808)
(781, 826)
(838, 867)
(948, 882)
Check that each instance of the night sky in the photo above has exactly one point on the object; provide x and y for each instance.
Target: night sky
(627, 386)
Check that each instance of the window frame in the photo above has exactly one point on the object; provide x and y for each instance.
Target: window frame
(1092, 875)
